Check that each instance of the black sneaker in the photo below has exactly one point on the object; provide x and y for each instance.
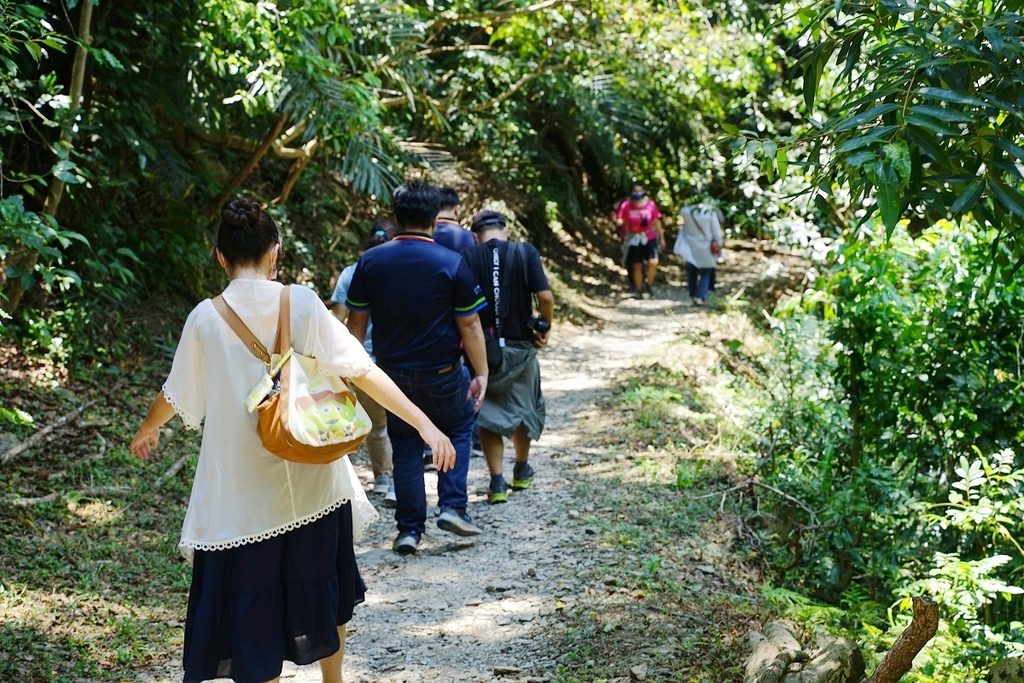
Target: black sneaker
(522, 476)
(498, 491)
(648, 291)
(406, 543)
(458, 522)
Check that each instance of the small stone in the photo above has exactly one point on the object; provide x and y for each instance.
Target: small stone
(474, 602)
(574, 513)
(638, 672)
(706, 568)
(500, 587)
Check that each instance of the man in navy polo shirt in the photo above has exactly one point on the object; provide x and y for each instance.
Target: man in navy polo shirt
(448, 232)
(424, 302)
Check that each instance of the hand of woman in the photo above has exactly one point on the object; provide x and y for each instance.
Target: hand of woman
(145, 441)
(441, 446)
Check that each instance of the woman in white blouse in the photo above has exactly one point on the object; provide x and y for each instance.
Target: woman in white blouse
(274, 575)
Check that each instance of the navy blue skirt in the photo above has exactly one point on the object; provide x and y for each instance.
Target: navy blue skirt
(252, 607)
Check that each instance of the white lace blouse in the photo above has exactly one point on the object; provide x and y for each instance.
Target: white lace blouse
(242, 493)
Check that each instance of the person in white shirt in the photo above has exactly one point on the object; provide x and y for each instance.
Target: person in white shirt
(274, 575)
(700, 243)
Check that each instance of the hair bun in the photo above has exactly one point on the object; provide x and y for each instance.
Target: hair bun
(241, 214)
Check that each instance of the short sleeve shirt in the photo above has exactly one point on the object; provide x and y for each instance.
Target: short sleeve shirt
(339, 296)
(242, 493)
(453, 236)
(530, 280)
(415, 290)
(640, 219)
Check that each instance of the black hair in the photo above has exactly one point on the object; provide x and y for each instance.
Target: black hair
(246, 232)
(416, 205)
(449, 198)
(383, 230)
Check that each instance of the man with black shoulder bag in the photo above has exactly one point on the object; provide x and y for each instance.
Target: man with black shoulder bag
(511, 275)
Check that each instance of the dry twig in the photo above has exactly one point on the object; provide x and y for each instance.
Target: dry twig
(171, 471)
(41, 434)
(92, 492)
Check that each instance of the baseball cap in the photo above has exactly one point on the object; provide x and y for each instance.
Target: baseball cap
(487, 219)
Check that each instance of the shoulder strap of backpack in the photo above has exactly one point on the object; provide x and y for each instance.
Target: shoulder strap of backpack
(513, 264)
(241, 330)
(284, 324)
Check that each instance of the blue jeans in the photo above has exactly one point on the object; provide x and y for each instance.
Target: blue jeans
(444, 399)
(698, 281)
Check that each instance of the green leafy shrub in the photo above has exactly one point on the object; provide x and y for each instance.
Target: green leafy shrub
(887, 387)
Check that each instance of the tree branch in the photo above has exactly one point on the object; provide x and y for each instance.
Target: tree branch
(518, 85)
(26, 260)
(303, 155)
(900, 659)
(452, 18)
(38, 436)
(93, 492)
(214, 207)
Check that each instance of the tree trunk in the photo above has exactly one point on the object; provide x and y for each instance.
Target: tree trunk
(899, 660)
(214, 207)
(776, 655)
(26, 261)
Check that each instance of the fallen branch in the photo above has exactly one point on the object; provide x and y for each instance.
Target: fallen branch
(93, 492)
(38, 436)
(753, 482)
(899, 660)
(171, 471)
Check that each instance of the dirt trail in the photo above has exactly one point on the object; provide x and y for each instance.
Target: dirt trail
(459, 611)
(484, 609)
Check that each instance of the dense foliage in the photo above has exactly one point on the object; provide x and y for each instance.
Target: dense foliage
(321, 107)
(893, 418)
(894, 394)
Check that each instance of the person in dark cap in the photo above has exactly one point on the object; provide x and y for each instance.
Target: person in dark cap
(512, 276)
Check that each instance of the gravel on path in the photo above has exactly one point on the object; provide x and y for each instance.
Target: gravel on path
(478, 610)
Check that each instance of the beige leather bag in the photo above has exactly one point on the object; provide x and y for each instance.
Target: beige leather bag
(305, 416)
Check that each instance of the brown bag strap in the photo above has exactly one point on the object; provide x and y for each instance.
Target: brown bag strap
(239, 328)
(284, 331)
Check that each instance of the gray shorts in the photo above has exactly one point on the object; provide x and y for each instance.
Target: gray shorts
(513, 395)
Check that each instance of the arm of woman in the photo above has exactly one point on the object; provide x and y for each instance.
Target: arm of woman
(148, 436)
(381, 389)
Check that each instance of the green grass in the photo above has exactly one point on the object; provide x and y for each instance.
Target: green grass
(671, 598)
(91, 588)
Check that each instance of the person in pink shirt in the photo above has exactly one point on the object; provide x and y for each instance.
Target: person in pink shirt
(639, 221)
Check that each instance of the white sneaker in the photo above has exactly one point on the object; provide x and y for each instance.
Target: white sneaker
(390, 500)
(381, 484)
